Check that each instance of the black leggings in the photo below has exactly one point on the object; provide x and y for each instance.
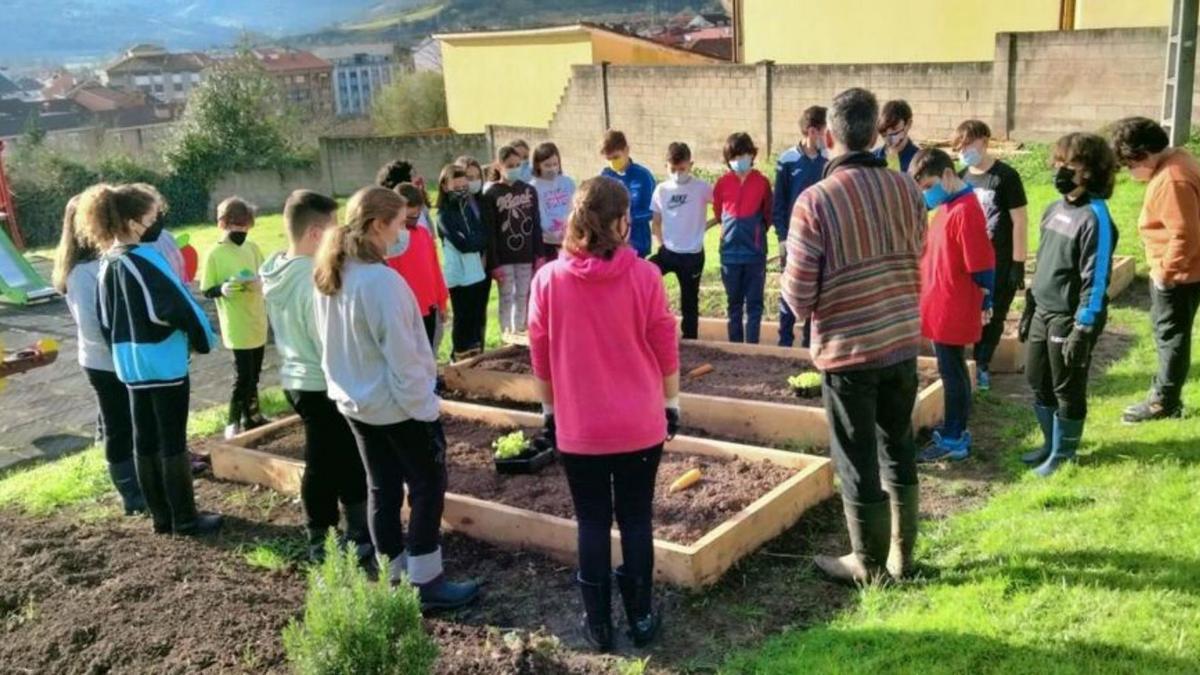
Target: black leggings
(243, 405)
(160, 417)
(470, 315)
(602, 484)
(1054, 384)
(411, 453)
(116, 414)
(986, 347)
(333, 468)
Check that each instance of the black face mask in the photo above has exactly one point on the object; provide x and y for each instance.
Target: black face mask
(238, 238)
(1064, 180)
(152, 233)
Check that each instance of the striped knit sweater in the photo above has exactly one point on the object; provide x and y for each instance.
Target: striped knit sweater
(853, 254)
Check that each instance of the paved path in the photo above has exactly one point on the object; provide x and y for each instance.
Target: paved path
(51, 411)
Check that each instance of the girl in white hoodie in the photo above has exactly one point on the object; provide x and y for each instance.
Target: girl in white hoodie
(380, 371)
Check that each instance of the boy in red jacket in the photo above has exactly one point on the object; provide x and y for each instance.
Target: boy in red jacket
(415, 258)
(742, 200)
(957, 278)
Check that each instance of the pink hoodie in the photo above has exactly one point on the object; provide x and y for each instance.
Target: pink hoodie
(601, 333)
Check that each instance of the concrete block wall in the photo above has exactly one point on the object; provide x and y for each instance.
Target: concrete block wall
(266, 189)
(349, 163)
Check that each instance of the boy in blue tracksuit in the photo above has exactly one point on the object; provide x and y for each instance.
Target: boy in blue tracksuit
(797, 169)
(742, 200)
(640, 183)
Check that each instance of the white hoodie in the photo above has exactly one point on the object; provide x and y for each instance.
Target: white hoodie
(377, 360)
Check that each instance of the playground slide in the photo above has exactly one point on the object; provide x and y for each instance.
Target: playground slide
(19, 282)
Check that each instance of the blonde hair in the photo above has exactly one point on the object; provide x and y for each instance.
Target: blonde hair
(72, 248)
(592, 227)
(353, 240)
(104, 211)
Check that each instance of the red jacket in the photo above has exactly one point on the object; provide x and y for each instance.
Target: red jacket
(418, 265)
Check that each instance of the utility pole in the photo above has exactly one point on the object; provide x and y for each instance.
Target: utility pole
(1181, 70)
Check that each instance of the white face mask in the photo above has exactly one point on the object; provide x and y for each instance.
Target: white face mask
(401, 244)
(681, 177)
(476, 186)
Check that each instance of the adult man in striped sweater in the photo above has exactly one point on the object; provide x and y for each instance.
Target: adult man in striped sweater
(853, 250)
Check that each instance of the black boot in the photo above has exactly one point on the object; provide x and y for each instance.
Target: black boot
(177, 479)
(150, 480)
(597, 613)
(637, 594)
(316, 544)
(124, 478)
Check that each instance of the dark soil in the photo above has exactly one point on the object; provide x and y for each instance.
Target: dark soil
(741, 376)
(726, 486)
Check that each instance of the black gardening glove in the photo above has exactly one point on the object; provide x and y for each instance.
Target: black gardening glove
(672, 422)
(1078, 347)
(1026, 317)
(549, 436)
(1016, 274)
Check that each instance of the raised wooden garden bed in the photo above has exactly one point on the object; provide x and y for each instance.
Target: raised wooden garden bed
(746, 497)
(745, 398)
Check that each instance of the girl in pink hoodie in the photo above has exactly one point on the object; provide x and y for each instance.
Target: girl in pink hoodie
(606, 356)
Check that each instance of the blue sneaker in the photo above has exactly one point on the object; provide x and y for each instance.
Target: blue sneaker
(941, 449)
(983, 380)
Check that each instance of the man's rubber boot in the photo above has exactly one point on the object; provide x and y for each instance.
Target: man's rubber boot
(1067, 434)
(150, 480)
(177, 480)
(358, 533)
(870, 529)
(124, 478)
(1045, 418)
(596, 624)
(637, 594)
(905, 503)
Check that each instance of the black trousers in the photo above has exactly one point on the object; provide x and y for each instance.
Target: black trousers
(688, 268)
(470, 315)
(870, 423)
(243, 404)
(431, 322)
(994, 330)
(116, 414)
(1054, 384)
(602, 484)
(1172, 313)
(333, 468)
(413, 454)
(160, 417)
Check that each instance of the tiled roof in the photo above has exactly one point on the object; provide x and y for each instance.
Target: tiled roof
(283, 61)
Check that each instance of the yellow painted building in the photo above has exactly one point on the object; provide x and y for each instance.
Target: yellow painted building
(517, 77)
(916, 31)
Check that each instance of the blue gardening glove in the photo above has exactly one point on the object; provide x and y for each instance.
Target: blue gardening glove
(1077, 347)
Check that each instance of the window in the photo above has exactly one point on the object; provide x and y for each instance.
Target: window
(141, 80)
(178, 86)
(177, 78)
(158, 79)
(158, 89)
(195, 77)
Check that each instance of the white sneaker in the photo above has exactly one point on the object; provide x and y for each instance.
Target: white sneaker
(232, 430)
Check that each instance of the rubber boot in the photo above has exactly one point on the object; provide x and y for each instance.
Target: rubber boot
(124, 478)
(358, 532)
(1045, 418)
(316, 544)
(905, 506)
(870, 529)
(637, 594)
(177, 480)
(596, 624)
(438, 592)
(1066, 441)
(253, 417)
(150, 480)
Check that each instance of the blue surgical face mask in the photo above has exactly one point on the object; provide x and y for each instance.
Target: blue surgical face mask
(971, 156)
(515, 174)
(935, 196)
(741, 164)
(526, 171)
(401, 244)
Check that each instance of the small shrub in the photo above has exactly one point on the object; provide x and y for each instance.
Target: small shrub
(509, 446)
(354, 625)
(807, 380)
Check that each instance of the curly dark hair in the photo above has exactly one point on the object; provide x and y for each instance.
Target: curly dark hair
(1093, 153)
(1136, 138)
(394, 173)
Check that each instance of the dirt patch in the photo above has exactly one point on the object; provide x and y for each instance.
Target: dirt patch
(727, 486)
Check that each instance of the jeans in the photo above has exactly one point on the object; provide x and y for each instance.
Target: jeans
(160, 417)
(870, 423)
(411, 453)
(688, 268)
(469, 304)
(116, 414)
(1172, 313)
(243, 404)
(514, 296)
(1054, 384)
(744, 284)
(601, 484)
(333, 469)
(956, 383)
(992, 332)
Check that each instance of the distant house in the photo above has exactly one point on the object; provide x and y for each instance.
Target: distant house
(17, 116)
(156, 72)
(721, 48)
(8, 88)
(58, 84)
(427, 55)
(304, 78)
(115, 108)
(359, 72)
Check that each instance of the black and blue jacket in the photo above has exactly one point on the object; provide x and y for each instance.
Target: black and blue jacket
(1074, 260)
(794, 173)
(907, 153)
(149, 318)
(461, 224)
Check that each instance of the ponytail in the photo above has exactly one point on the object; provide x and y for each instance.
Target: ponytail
(353, 240)
(72, 249)
(104, 211)
(593, 225)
